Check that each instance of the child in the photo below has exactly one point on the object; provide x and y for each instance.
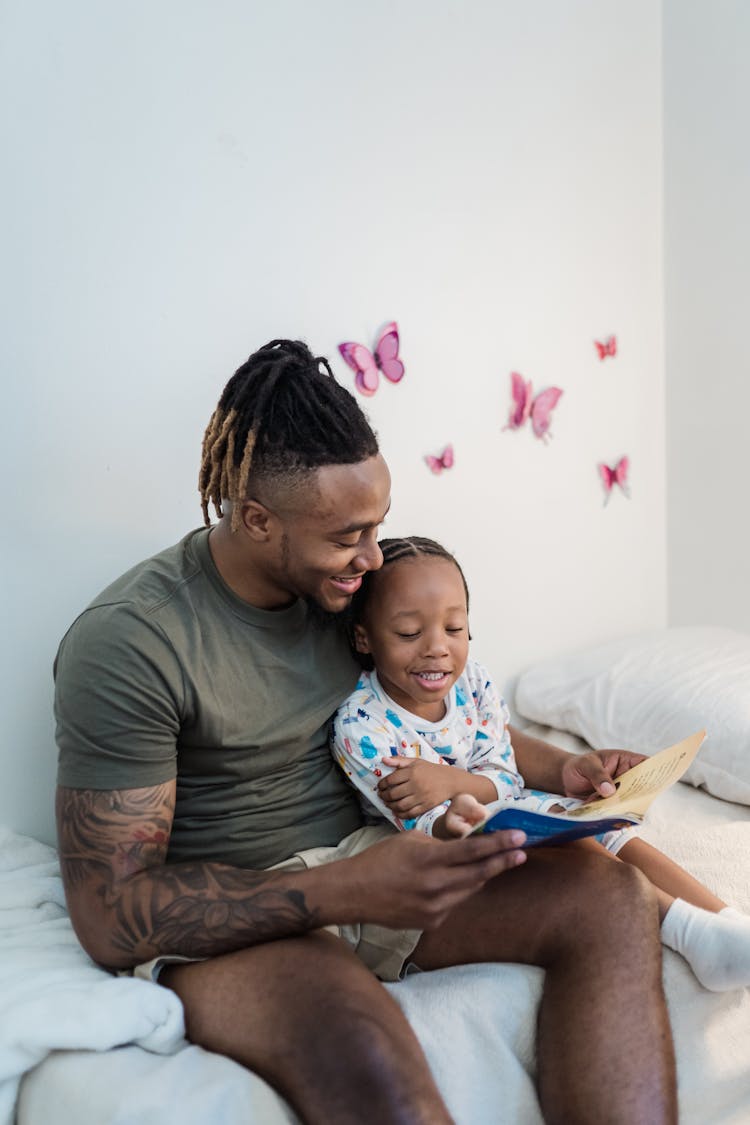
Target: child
(425, 738)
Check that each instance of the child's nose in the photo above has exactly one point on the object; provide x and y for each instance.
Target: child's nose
(435, 643)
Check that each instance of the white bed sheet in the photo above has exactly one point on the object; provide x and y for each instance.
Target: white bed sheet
(476, 1024)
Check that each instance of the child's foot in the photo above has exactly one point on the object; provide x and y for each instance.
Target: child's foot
(716, 946)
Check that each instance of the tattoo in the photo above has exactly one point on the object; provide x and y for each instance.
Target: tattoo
(113, 847)
(121, 832)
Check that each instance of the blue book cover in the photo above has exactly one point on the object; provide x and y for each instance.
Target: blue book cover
(548, 828)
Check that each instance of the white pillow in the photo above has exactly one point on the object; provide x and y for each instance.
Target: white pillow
(648, 691)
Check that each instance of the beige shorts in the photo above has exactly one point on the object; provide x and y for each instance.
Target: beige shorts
(384, 951)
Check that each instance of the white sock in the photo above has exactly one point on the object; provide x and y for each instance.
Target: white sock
(716, 946)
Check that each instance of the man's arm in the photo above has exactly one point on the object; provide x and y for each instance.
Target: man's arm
(127, 905)
(553, 770)
(539, 762)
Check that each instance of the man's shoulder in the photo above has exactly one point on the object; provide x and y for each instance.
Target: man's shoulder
(155, 580)
(128, 610)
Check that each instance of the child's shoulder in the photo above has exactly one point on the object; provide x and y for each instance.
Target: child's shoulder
(477, 675)
(363, 693)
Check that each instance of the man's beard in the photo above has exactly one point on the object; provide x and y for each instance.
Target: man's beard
(317, 615)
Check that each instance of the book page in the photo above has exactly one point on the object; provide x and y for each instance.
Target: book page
(637, 788)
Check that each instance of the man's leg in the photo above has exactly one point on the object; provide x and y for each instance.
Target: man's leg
(308, 1017)
(604, 1048)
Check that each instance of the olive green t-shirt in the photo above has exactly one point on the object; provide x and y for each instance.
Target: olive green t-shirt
(169, 674)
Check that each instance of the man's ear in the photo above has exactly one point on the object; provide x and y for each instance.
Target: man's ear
(257, 520)
(361, 644)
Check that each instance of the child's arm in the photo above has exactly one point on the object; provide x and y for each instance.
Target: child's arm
(361, 743)
(414, 785)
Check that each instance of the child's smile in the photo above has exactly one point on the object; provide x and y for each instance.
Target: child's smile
(417, 631)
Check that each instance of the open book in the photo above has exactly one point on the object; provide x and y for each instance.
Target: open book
(636, 789)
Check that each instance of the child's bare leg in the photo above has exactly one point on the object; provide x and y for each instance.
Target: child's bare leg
(668, 877)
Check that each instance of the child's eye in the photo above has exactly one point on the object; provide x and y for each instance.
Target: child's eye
(455, 629)
(407, 636)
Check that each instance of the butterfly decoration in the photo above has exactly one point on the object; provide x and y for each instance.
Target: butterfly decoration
(617, 475)
(606, 347)
(366, 364)
(525, 406)
(444, 461)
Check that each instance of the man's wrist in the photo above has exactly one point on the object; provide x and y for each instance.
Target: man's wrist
(336, 893)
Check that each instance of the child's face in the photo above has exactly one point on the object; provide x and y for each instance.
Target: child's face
(416, 629)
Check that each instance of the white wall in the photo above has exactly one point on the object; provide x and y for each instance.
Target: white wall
(187, 181)
(707, 272)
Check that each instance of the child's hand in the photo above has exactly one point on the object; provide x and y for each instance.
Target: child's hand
(591, 775)
(415, 786)
(465, 813)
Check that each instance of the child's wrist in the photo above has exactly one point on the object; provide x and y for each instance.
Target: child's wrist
(461, 781)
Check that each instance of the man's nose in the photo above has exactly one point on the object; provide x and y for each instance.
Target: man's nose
(369, 556)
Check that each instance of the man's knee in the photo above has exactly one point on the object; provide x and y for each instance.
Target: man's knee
(627, 886)
(617, 902)
(597, 890)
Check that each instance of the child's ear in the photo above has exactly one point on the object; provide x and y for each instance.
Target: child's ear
(361, 644)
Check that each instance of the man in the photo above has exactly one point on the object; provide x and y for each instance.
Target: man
(206, 835)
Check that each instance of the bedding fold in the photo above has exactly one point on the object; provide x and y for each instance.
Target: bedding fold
(52, 995)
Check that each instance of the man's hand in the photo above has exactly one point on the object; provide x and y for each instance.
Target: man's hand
(591, 775)
(416, 786)
(414, 882)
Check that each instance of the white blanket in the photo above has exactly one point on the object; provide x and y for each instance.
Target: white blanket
(476, 1023)
(52, 995)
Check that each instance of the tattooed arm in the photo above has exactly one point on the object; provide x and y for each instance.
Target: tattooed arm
(127, 905)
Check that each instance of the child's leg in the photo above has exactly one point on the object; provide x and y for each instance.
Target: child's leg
(713, 938)
(655, 873)
(668, 877)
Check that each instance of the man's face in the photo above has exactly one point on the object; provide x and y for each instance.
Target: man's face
(329, 540)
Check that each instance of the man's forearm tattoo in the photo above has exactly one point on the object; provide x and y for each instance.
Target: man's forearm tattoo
(113, 847)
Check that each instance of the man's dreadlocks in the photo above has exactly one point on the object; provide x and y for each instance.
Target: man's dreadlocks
(281, 412)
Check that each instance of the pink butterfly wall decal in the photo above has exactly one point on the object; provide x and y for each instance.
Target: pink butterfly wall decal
(606, 347)
(444, 461)
(525, 406)
(617, 475)
(367, 364)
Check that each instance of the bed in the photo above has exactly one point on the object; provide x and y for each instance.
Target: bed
(79, 1046)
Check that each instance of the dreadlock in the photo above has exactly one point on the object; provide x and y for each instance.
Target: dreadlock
(394, 550)
(279, 414)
